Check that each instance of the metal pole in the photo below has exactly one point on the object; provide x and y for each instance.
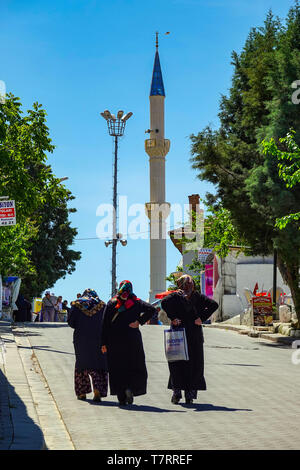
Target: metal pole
(116, 127)
(114, 238)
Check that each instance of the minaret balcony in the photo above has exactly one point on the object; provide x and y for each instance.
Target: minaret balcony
(157, 147)
(157, 211)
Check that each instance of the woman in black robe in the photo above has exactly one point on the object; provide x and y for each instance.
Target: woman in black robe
(188, 309)
(23, 314)
(122, 340)
(86, 318)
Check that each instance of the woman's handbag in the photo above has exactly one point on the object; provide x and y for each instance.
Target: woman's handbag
(176, 345)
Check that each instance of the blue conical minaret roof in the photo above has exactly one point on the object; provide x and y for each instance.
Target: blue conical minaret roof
(157, 85)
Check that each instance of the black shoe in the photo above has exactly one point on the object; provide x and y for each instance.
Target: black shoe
(122, 398)
(175, 400)
(129, 396)
(188, 401)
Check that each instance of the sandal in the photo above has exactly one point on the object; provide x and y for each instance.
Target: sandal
(97, 396)
(81, 397)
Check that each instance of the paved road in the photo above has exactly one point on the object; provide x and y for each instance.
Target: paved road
(252, 400)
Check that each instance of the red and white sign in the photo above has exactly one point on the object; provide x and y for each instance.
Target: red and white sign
(203, 253)
(7, 213)
(262, 311)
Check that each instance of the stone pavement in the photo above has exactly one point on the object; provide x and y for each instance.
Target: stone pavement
(19, 423)
(251, 402)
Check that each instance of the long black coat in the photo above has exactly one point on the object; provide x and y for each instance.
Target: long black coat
(87, 339)
(189, 375)
(125, 352)
(23, 313)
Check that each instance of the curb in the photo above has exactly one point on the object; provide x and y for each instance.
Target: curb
(245, 330)
(20, 419)
(55, 432)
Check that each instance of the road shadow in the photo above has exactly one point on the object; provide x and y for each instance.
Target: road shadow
(4, 329)
(20, 333)
(25, 329)
(27, 334)
(242, 365)
(133, 407)
(45, 325)
(20, 431)
(45, 348)
(210, 407)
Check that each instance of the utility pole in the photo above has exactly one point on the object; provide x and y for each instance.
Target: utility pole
(116, 128)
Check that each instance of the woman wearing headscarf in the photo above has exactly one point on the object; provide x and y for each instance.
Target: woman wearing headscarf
(86, 319)
(188, 308)
(122, 340)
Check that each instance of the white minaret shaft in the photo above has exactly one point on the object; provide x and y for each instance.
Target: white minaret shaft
(157, 209)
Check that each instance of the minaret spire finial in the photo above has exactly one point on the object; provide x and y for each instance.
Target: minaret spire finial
(157, 85)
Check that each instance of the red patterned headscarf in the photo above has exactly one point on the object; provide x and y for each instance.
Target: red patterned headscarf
(125, 290)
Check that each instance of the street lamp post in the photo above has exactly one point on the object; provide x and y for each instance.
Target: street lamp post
(116, 128)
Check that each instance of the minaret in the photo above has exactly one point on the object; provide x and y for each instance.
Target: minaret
(157, 209)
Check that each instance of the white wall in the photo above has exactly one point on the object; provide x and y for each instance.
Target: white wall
(248, 274)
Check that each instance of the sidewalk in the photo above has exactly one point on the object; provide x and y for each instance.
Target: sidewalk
(29, 418)
(19, 423)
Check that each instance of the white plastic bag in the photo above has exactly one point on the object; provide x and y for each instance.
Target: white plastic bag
(176, 345)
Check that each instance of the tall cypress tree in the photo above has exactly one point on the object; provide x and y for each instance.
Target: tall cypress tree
(258, 106)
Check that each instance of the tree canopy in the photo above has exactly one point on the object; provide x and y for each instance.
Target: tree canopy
(259, 106)
(37, 248)
(289, 169)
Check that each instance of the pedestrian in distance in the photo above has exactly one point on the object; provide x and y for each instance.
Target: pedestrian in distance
(58, 309)
(122, 341)
(188, 309)
(23, 314)
(66, 308)
(48, 308)
(86, 319)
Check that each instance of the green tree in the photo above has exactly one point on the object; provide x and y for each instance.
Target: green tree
(259, 106)
(289, 169)
(219, 234)
(15, 246)
(172, 278)
(51, 253)
(41, 202)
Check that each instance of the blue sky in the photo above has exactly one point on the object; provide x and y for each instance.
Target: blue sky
(79, 57)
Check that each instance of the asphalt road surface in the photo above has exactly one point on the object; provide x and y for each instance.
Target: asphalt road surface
(252, 399)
